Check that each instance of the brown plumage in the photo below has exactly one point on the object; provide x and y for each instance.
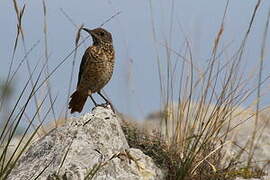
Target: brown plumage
(96, 69)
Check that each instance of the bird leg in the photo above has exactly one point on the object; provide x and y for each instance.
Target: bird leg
(95, 103)
(107, 101)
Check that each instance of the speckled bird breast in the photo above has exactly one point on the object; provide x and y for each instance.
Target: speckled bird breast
(98, 69)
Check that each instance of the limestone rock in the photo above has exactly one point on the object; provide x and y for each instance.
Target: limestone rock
(92, 146)
(263, 178)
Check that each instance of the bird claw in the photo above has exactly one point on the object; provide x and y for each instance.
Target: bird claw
(105, 105)
(108, 104)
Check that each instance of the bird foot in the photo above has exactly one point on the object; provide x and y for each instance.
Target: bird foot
(108, 105)
(105, 105)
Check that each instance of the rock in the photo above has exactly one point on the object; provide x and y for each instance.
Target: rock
(262, 178)
(93, 146)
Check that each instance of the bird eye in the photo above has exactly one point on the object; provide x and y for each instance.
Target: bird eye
(101, 33)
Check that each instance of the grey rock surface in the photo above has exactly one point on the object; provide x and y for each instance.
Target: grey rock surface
(90, 147)
(263, 178)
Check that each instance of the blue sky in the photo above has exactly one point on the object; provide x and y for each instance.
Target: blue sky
(134, 88)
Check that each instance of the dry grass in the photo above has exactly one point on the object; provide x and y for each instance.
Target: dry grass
(208, 164)
(195, 129)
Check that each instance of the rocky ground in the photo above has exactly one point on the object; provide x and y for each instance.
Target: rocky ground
(92, 146)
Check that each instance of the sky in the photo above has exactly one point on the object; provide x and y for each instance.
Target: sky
(135, 87)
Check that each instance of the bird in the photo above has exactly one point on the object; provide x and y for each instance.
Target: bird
(96, 69)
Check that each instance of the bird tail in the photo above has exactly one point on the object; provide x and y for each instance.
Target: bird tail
(77, 101)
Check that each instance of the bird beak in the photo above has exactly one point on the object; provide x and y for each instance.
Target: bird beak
(89, 31)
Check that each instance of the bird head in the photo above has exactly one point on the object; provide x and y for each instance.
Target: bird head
(99, 35)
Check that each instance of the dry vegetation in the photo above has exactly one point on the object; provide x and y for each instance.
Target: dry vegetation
(191, 140)
(194, 132)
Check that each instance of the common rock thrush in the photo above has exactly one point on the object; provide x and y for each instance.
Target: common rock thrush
(96, 69)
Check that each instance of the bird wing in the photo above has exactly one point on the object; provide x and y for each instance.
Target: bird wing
(92, 54)
(82, 66)
(89, 55)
